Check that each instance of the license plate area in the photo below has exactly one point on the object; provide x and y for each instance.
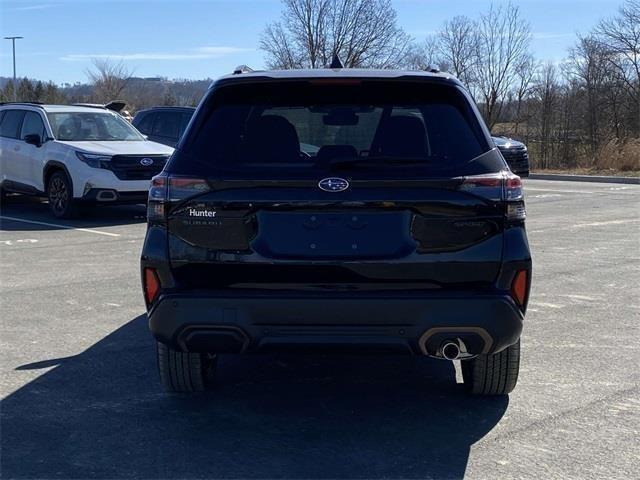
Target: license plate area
(334, 235)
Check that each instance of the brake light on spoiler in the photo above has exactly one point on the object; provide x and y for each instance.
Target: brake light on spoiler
(503, 186)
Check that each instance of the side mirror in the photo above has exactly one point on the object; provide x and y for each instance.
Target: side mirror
(33, 139)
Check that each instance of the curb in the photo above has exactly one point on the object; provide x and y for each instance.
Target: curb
(585, 178)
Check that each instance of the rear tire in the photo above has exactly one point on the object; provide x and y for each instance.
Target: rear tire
(60, 195)
(495, 374)
(183, 372)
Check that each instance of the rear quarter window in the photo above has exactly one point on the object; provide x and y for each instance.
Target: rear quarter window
(32, 124)
(374, 129)
(11, 123)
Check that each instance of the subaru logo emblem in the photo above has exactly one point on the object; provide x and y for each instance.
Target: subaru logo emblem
(145, 162)
(333, 184)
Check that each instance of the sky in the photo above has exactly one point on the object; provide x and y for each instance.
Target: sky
(199, 39)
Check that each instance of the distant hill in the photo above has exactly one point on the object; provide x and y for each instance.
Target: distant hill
(139, 93)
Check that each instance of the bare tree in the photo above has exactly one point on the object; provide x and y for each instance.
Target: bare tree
(503, 40)
(525, 71)
(546, 91)
(421, 56)
(457, 47)
(109, 78)
(587, 65)
(620, 38)
(364, 33)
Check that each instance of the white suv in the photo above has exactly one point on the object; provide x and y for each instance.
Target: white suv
(75, 155)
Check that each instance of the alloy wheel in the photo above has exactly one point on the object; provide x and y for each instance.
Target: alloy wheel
(58, 195)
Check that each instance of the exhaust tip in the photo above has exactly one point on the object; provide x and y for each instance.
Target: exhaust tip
(450, 350)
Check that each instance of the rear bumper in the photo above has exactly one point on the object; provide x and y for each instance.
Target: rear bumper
(418, 324)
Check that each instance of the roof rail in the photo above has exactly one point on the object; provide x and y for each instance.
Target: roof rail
(242, 69)
(33, 104)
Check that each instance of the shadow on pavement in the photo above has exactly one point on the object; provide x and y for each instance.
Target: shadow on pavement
(101, 414)
(35, 209)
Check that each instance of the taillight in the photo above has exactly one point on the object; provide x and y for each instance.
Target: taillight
(488, 186)
(151, 285)
(502, 186)
(157, 199)
(514, 198)
(181, 188)
(519, 287)
(165, 188)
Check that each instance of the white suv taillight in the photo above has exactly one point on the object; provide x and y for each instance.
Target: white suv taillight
(502, 186)
(165, 188)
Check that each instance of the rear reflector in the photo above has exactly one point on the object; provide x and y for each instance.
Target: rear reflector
(151, 285)
(519, 287)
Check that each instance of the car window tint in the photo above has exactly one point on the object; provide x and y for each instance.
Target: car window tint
(167, 124)
(11, 123)
(32, 124)
(92, 126)
(186, 117)
(146, 123)
(302, 130)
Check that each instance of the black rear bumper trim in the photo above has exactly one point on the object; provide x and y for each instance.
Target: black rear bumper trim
(416, 324)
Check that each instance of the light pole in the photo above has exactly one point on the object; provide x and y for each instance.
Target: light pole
(15, 87)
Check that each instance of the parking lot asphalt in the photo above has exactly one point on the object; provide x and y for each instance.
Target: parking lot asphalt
(81, 397)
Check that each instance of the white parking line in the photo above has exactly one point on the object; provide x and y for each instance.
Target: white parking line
(555, 190)
(56, 225)
(608, 222)
(616, 191)
(547, 195)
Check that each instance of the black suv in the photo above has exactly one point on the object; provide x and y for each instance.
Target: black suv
(341, 210)
(515, 154)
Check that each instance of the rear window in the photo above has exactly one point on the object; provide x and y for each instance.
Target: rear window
(305, 129)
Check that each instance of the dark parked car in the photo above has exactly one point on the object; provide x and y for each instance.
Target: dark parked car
(339, 210)
(515, 153)
(163, 124)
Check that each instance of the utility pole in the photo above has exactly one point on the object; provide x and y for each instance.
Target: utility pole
(13, 44)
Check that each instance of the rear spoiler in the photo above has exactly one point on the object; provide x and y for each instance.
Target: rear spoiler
(115, 105)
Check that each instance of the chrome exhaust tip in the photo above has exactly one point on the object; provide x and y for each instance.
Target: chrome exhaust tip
(450, 350)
